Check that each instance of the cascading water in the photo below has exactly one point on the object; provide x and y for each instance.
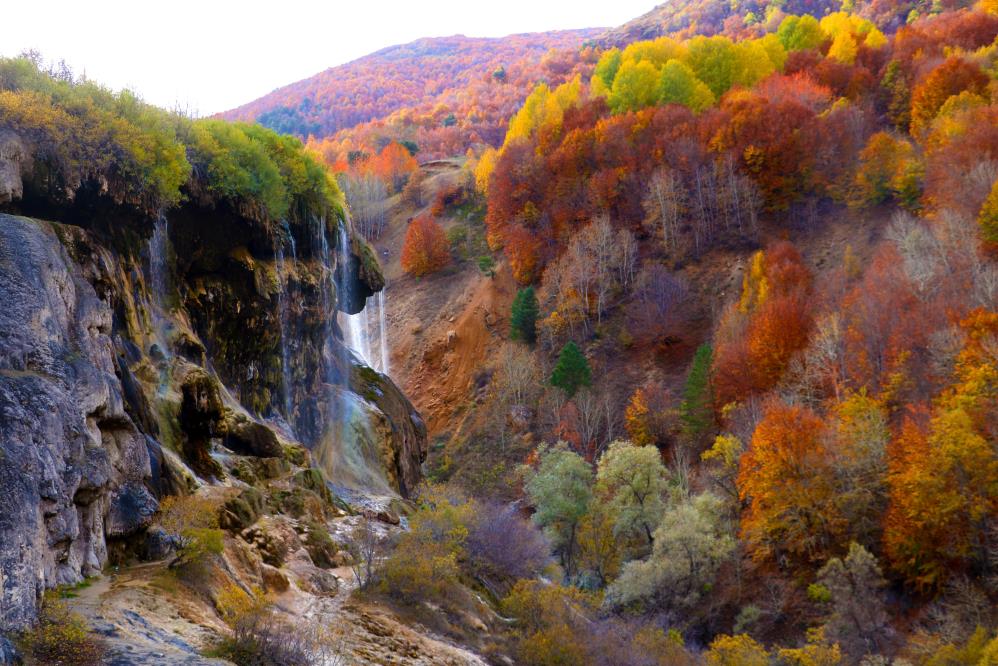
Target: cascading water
(282, 305)
(159, 286)
(355, 327)
(159, 271)
(383, 332)
(350, 452)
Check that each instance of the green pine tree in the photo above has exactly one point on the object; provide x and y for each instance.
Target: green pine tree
(696, 412)
(572, 370)
(523, 320)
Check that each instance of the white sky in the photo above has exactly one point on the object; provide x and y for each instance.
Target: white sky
(212, 55)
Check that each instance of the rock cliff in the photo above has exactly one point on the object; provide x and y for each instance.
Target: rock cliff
(136, 354)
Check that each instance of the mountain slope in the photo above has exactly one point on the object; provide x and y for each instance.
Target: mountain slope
(421, 74)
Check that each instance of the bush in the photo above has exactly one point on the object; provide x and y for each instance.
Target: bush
(503, 544)
(193, 521)
(62, 637)
(262, 638)
(425, 564)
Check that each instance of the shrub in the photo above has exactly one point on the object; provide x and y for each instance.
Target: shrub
(263, 638)
(425, 564)
(546, 616)
(502, 543)
(233, 603)
(740, 650)
(62, 637)
(193, 521)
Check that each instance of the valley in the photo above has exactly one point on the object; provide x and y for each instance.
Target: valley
(672, 343)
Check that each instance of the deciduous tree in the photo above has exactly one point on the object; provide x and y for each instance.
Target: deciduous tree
(425, 249)
(560, 489)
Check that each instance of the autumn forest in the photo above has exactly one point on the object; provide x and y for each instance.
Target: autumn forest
(700, 312)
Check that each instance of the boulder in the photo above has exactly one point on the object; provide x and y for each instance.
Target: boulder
(274, 579)
(249, 438)
(159, 545)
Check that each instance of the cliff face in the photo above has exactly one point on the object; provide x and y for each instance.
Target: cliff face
(73, 465)
(135, 353)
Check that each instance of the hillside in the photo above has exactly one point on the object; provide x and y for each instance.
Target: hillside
(760, 265)
(713, 17)
(677, 351)
(477, 80)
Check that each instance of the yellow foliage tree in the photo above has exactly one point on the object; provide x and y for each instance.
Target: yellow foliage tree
(740, 650)
(483, 170)
(636, 419)
(843, 48)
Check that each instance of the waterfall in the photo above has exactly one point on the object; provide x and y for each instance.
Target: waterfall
(159, 270)
(383, 332)
(282, 311)
(349, 447)
(356, 325)
(159, 284)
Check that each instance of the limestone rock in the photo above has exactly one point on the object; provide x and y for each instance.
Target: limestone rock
(274, 579)
(72, 463)
(14, 158)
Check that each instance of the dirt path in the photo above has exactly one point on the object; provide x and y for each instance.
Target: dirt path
(147, 626)
(141, 624)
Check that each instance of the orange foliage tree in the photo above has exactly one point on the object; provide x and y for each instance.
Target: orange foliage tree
(948, 79)
(787, 480)
(943, 470)
(771, 323)
(425, 249)
(393, 165)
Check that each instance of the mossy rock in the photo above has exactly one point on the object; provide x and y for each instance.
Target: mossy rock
(245, 471)
(320, 546)
(312, 480)
(242, 511)
(249, 438)
(369, 268)
(201, 417)
(297, 455)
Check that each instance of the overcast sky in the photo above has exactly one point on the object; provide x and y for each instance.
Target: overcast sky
(212, 55)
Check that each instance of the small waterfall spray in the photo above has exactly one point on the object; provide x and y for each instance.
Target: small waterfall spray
(383, 332)
(282, 305)
(355, 324)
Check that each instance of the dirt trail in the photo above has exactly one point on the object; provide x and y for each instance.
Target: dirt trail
(146, 625)
(141, 624)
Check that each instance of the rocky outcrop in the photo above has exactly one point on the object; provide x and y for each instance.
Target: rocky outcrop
(73, 466)
(117, 388)
(14, 159)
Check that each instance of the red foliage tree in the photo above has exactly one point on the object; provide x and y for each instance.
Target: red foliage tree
(393, 165)
(425, 249)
